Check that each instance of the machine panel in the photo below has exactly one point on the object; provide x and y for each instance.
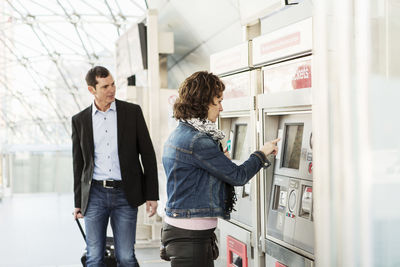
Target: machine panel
(238, 122)
(234, 245)
(278, 256)
(237, 92)
(292, 40)
(231, 60)
(237, 253)
(290, 211)
(237, 86)
(239, 142)
(288, 76)
(295, 152)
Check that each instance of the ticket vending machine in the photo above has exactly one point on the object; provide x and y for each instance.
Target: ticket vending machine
(289, 210)
(238, 236)
(285, 110)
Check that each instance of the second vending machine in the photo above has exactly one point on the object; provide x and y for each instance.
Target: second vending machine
(285, 110)
(238, 236)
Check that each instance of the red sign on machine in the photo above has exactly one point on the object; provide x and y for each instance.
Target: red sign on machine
(237, 253)
(291, 75)
(302, 78)
(278, 264)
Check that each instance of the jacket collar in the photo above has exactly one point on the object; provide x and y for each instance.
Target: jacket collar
(95, 109)
(88, 128)
(121, 119)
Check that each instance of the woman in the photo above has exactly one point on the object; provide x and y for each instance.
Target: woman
(200, 176)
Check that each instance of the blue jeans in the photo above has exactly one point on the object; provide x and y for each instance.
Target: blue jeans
(105, 203)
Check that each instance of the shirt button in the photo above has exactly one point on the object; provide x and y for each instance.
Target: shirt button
(108, 157)
(104, 118)
(107, 144)
(109, 170)
(106, 131)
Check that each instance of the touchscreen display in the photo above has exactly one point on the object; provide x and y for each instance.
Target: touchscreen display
(239, 141)
(292, 147)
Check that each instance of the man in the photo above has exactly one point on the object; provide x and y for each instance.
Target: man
(107, 139)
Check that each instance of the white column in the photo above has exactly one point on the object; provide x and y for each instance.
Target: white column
(340, 124)
(148, 233)
(153, 79)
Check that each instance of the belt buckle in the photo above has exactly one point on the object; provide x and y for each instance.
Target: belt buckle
(105, 184)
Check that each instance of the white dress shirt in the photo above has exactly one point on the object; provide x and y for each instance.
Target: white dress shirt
(105, 137)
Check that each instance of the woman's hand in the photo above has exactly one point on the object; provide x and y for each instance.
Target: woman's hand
(226, 152)
(270, 147)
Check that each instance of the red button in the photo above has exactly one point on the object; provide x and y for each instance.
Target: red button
(310, 167)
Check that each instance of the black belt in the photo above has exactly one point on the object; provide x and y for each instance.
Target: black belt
(108, 183)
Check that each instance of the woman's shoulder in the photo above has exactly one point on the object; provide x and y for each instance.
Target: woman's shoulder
(187, 136)
(202, 141)
(185, 127)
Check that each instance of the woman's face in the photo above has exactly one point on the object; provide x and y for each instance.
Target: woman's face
(215, 108)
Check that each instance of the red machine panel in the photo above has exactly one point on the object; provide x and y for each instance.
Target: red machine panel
(237, 253)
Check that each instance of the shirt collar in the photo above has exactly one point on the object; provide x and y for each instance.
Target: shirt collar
(95, 109)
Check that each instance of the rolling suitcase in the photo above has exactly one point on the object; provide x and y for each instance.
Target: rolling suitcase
(109, 257)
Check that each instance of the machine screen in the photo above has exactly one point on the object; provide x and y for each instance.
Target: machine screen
(292, 146)
(240, 136)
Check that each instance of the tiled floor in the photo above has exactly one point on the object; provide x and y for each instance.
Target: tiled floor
(38, 230)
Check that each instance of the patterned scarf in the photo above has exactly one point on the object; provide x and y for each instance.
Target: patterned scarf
(206, 126)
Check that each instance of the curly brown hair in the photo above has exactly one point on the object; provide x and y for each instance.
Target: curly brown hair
(196, 93)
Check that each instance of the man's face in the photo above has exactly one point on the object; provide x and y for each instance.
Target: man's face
(104, 92)
(215, 108)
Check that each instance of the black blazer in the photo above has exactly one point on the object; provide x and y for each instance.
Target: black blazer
(133, 139)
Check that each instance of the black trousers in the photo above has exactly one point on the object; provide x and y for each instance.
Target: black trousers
(188, 248)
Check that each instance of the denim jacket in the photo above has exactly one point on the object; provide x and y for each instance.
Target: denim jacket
(197, 172)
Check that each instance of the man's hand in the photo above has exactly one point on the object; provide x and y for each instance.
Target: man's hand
(151, 207)
(77, 213)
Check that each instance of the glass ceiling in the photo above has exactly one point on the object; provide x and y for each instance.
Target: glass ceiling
(46, 48)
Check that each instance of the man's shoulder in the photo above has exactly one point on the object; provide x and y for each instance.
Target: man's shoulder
(81, 113)
(128, 105)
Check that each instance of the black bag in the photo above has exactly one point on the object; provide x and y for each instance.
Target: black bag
(109, 257)
(163, 253)
(214, 246)
(163, 250)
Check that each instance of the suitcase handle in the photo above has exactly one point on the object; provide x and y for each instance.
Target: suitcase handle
(80, 228)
